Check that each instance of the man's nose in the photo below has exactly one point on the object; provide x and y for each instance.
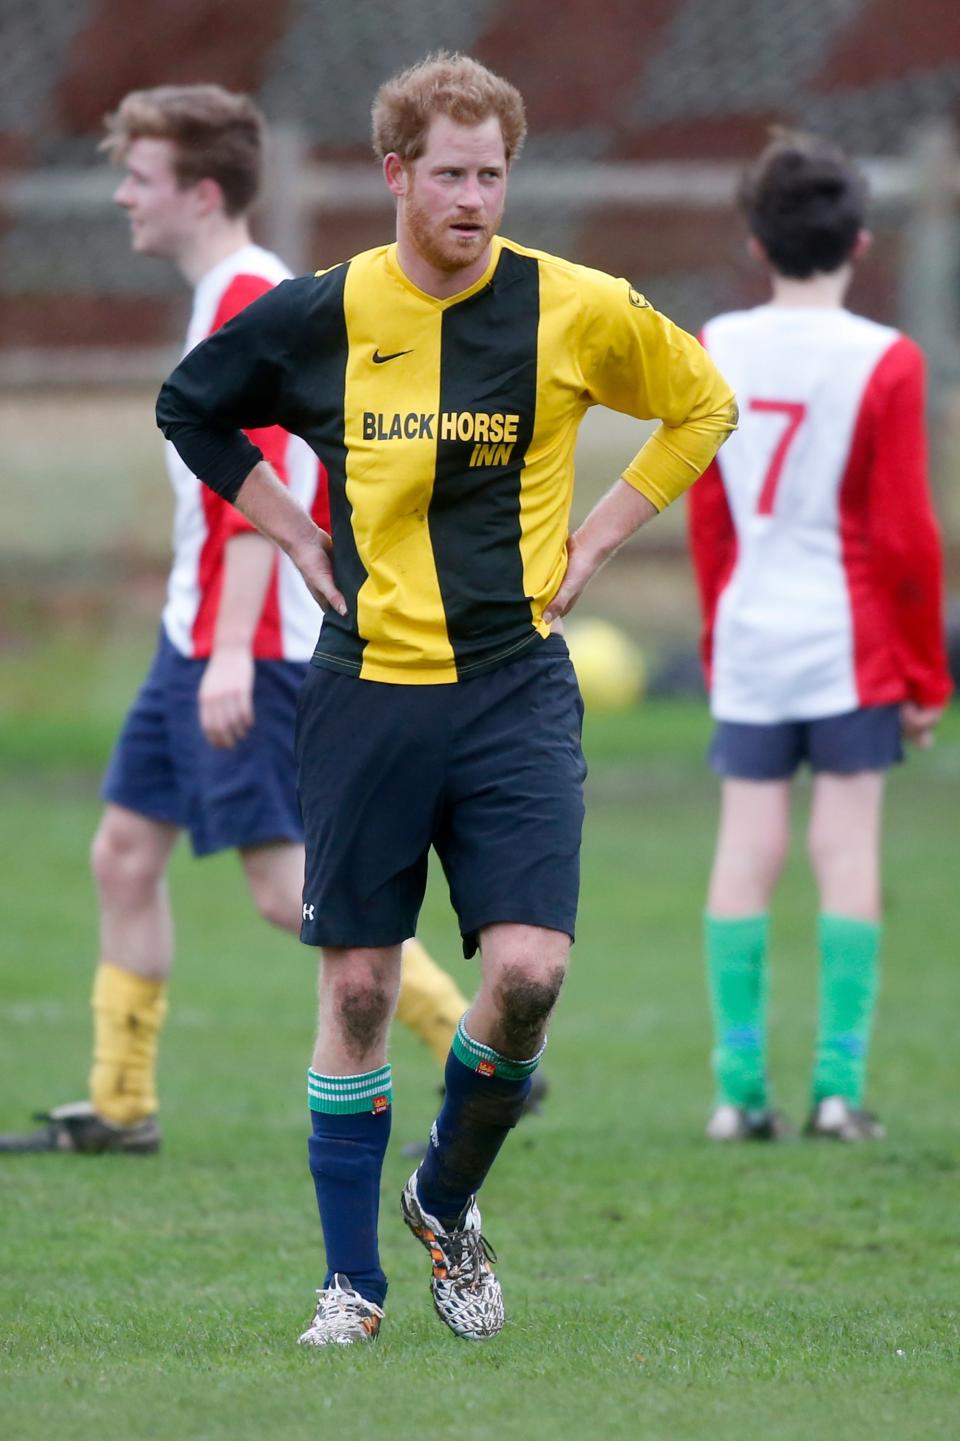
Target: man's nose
(470, 197)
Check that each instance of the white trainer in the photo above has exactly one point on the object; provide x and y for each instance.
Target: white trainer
(466, 1293)
(835, 1119)
(343, 1317)
(739, 1123)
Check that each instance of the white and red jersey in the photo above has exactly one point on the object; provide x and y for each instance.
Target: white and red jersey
(814, 541)
(203, 523)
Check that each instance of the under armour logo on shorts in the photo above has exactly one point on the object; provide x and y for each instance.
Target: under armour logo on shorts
(308, 912)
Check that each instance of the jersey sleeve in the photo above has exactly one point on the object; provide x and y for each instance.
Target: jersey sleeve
(905, 548)
(233, 382)
(637, 361)
(713, 549)
(272, 442)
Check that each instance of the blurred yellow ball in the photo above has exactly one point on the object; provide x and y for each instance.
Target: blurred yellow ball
(610, 667)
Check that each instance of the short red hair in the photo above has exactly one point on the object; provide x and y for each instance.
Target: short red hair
(444, 84)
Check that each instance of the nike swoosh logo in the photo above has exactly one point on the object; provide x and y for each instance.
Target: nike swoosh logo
(379, 359)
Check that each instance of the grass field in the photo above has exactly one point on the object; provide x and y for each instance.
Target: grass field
(656, 1287)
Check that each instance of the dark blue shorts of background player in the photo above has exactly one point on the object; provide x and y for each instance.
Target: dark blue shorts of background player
(164, 767)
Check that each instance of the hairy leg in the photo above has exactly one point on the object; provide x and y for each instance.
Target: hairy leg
(523, 971)
(495, 1052)
(430, 1002)
(357, 992)
(350, 1119)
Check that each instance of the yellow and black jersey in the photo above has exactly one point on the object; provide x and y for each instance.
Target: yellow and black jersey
(447, 428)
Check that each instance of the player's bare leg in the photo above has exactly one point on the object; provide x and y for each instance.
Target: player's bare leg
(522, 971)
(357, 993)
(431, 1005)
(274, 875)
(843, 840)
(844, 847)
(430, 1002)
(752, 845)
(497, 1048)
(349, 1092)
(129, 857)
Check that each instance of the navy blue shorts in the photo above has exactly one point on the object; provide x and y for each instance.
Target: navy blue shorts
(163, 767)
(489, 771)
(859, 740)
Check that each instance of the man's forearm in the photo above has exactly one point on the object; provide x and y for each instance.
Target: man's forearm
(621, 512)
(282, 519)
(226, 690)
(247, 568)
(268, 504)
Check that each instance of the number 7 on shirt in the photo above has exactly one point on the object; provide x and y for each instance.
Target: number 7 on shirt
(793, 412)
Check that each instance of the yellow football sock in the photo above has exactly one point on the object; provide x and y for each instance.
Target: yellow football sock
(128, 1012)
(431, 1003)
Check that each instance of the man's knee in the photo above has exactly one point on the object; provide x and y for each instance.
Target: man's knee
(525, 1000)
(833, 849)
(739, 870)
(126, 867)
(822, 849)
(277, 906)
(361, 1003)
(275, 877)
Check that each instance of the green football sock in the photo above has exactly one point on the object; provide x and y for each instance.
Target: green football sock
(848, 990)
(736, 967)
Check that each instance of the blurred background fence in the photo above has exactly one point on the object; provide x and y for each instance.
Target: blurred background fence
(641, 117)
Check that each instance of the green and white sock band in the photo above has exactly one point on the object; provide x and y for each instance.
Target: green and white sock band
(350, 1095)
(490, 1062)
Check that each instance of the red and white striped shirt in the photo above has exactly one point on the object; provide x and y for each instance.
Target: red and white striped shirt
(203, 523)
(814, 541)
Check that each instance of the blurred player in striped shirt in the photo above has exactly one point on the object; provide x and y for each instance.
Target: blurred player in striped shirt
(208, 745)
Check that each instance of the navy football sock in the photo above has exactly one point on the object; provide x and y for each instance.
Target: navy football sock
(351, 1126)
(484, 1099)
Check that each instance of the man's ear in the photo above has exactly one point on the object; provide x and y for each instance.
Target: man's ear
(209, 195)
(862, 245)
(395, 174)
(755, 250)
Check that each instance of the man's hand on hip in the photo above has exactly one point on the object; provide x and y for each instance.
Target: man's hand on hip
(313, 557)
(580, 567)
(282, 519)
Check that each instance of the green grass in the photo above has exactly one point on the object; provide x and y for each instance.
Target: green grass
(656, 1287)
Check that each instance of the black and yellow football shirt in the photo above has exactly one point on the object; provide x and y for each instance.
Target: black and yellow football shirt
(447, 428)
